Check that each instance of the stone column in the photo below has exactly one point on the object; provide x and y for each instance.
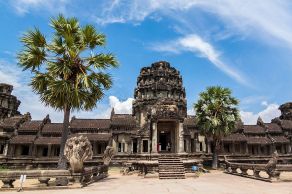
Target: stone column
(32, 150)
(259, 150)
(288, 148)
(246, 148)
(49, 150)
(154, 137)
(94, 148)
(282, 149)
(139, 145)
(180, 138)
(115, 145)
(5, 149)
(209, 149)
(232, 148)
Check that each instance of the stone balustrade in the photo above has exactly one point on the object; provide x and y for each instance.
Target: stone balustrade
(257, 171)
(88, 176)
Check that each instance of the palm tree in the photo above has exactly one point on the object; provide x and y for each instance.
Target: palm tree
(216, 116)
(68, 72)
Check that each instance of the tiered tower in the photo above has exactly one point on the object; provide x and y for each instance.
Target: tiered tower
(160, 107)
(8, 103)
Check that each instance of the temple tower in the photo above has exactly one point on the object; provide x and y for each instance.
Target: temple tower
(160, 108)
(8, 103)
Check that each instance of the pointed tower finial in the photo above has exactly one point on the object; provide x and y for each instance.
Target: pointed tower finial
(260, 121)
(112, 112)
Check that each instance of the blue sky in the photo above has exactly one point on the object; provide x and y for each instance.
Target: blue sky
(243, 45)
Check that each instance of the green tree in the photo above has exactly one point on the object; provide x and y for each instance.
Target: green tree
(69, 72)
(216, 116)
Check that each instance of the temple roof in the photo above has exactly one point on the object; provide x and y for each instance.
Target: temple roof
(23, 139)
(52, 128)
(30, 126)
(258, 140)
(123, 120)
(48, 140)
(11, 122)
(190, 121)
(279, 139)
(94, 136)
(235, 137)
(90, 124)
(273, 128)
(253, 129)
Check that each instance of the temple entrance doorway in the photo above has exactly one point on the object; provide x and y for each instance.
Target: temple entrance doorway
(166, 136)
(164, 141)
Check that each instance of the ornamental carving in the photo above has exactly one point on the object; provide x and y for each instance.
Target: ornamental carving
(77, 150)
(272, 164)
(107, 155)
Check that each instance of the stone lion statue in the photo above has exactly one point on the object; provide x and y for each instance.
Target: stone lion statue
(107, 155)
(77, 150)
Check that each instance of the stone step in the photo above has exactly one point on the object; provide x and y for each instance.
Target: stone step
(171, 173)
(171, 168)
(172, 177)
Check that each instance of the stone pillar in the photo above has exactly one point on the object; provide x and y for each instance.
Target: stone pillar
(232, 148)
(49, 150)
(288, 148)
(5, 149)
(115, 145)
(125, 147)
(32, 150)
(246, 148)
(259, 150)
(180, 138)
(209, 149)
(139, 146)
(283, 149)
(94, 148)
(188, 145)
(154, 137)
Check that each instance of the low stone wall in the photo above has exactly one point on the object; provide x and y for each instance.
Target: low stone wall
(88, 176)
(271, 169)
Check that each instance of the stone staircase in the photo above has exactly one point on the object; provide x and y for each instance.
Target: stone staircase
(171, 167)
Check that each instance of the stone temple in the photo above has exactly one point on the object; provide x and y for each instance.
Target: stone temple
(159, 124)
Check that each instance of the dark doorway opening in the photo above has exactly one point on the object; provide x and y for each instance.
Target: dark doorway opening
(25, 150)
(164, 141)
(135, 146)
(145, 145)
(45, 152)
(1, 149)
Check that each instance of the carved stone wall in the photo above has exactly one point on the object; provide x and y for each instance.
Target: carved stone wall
(159, 93)
(286, 110)
(8, 103)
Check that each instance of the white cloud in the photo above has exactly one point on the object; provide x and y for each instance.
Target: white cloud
(271, 111)
(194, 43)
(8, 74)
(52, 6)
(121, 106)
(266, 19)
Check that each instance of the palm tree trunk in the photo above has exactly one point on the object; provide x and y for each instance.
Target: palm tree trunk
(62, 163)
(216, 149)
(215, 157)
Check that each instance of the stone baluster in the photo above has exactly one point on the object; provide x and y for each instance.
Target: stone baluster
(244, 170)
(256, 173)
(44, 180)
(8, 183)
(233, 169)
